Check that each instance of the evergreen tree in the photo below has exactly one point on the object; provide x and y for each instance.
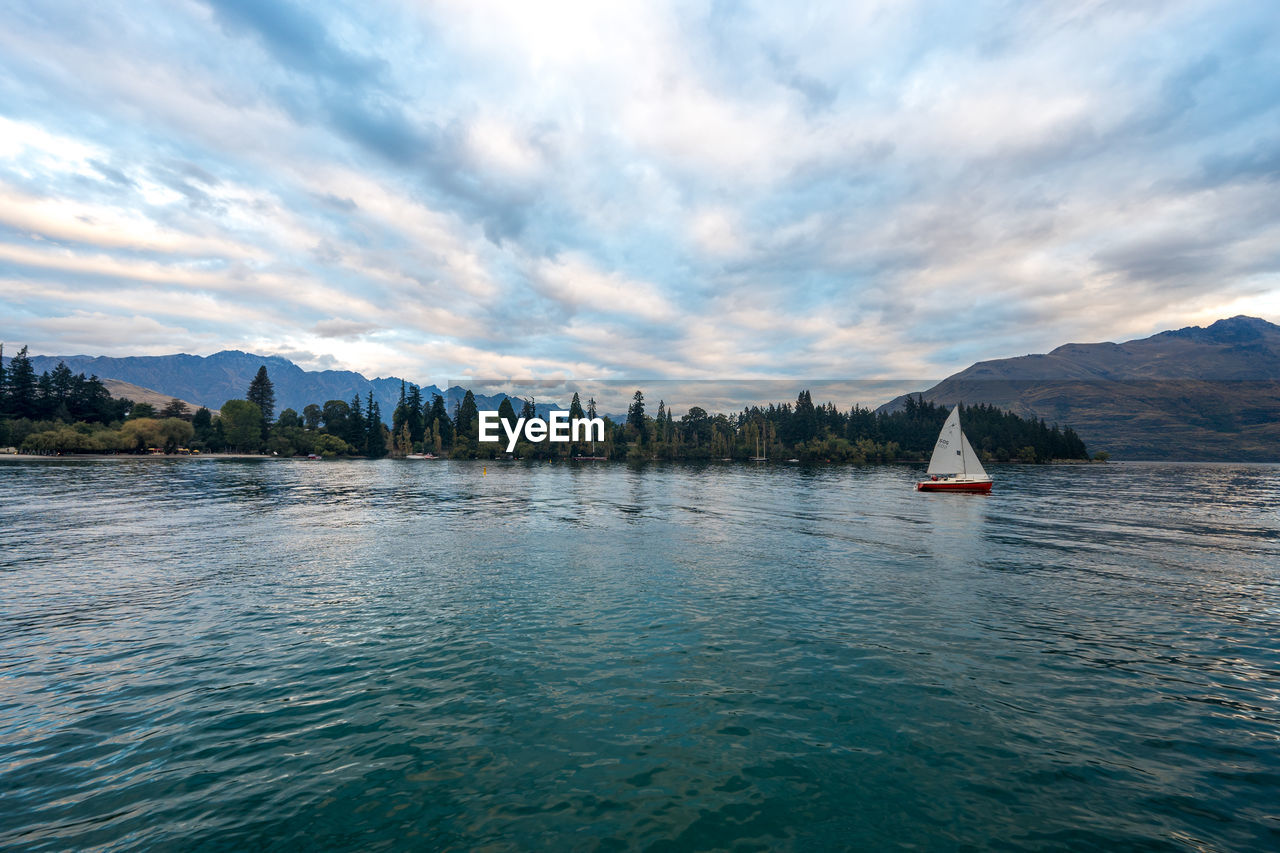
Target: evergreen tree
(45, 401)
(22, 400)
(805, 420)
(175, 408)
(591, 407)
(400, 417)
(635, 417)
(356, 432)
(375, 443)
(440, 422)
(468, 417)
(92, 403)
(263, 395)
(61, 389)
(311, 416)
(415, 420)
(507, 412)
(575, 407)
(529, 410)
(202, 426)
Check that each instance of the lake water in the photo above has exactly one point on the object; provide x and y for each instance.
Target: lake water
(232, 655)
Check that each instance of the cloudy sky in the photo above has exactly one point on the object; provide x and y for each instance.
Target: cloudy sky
(693, 190)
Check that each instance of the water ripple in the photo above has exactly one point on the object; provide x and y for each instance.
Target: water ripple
(217, 655)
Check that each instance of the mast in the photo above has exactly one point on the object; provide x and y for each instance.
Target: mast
(953, 454)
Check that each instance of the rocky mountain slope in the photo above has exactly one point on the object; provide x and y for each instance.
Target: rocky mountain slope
(1196, 393)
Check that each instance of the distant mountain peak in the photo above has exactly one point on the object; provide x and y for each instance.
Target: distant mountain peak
(1238, 329)
(1190, 393)
(225, 375)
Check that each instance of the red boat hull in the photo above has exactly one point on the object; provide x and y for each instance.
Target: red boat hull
(945, 486)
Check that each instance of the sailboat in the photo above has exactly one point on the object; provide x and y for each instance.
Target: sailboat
(954, 467)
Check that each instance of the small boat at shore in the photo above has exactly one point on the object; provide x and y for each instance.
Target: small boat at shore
(421, 456)
(954, 466)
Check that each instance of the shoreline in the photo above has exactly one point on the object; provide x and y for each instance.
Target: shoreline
(41, 457)
(96, 457)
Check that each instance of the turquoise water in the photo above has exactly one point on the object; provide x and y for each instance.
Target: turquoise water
(232, 655)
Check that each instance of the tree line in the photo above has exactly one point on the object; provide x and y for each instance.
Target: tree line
(58, 412)
(77, 408)
(825, 433)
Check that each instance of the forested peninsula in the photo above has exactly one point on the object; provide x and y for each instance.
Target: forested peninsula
(61, 413)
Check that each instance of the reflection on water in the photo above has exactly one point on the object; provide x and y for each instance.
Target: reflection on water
(235, 654)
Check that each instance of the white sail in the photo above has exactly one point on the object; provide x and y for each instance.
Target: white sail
(972, 467)
(953, 455)
(948, 453)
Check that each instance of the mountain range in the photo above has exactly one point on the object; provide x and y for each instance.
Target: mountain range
(1195, 393)
(212, 380)
(1209, 393)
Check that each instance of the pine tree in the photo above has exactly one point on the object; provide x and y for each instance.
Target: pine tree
(175, 408)
(805, 420)
(202, 424)
(263, 395)
(467, 417)
(575, 412)
(22, 398)
(375, 443)
(400, 416)
(45, 401)
(417, 427)
(92, 403)
(635, 417)
(355, 424)
(439, 418)
(62, 388)
(507, 413)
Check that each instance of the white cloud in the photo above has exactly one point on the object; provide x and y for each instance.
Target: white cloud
(107, 333)
(594, 190)
(715, 231)
(342, 329)
(107, 227)
(576, 284)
